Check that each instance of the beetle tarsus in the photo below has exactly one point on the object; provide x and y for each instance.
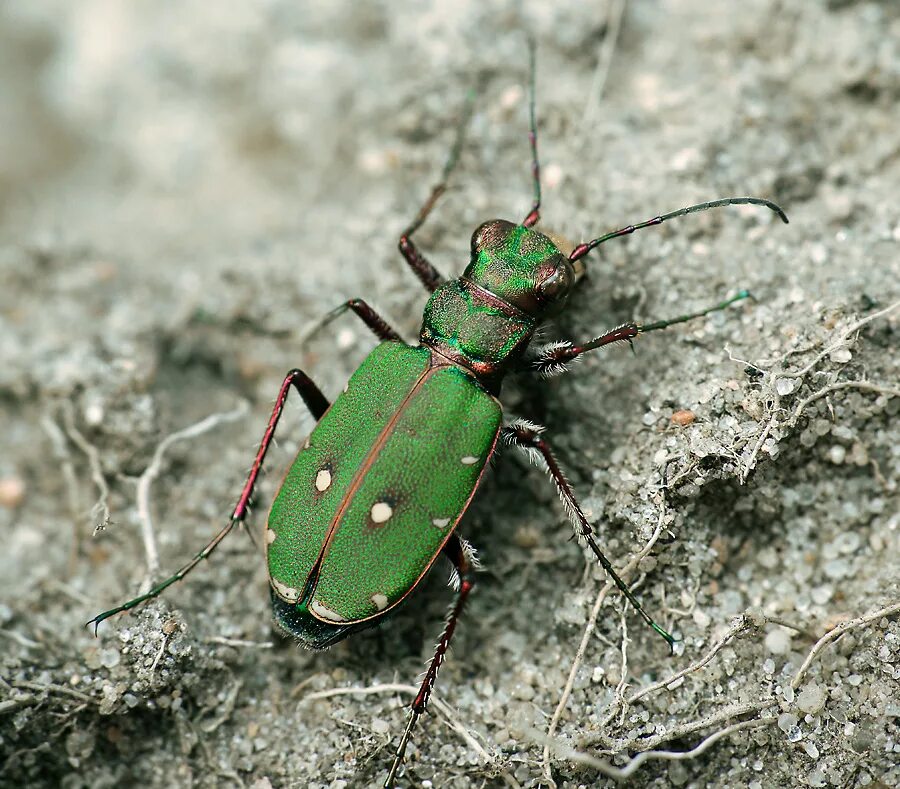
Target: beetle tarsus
(391, 779)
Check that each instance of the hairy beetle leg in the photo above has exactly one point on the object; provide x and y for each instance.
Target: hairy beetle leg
(528, 438)
(457, 553)
(317, 404)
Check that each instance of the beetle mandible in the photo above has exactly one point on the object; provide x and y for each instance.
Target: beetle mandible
(362, 514)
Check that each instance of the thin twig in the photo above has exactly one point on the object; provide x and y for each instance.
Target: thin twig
(160, 652)
(621, 773)
(775, 620)
(61, 453)
(100, 511)
(238, 642)
(588, 631)
(59, 690)
(19, 639)
(230, 701)
(153, 470)
(841, 341)
(11, 705)
(864, 386)
(751, 460)
(619, 697)
(739, 626)
(837, 631)
(642, 743)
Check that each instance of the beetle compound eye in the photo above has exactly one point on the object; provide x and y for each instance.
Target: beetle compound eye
(556, 286)
(490, 235)
(477, 240)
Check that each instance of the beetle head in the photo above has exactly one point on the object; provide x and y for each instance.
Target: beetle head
(521, 266)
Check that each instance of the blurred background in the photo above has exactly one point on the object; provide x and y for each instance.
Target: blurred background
(186, 189)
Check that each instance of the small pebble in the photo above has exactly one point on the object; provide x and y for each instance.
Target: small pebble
(784, 386)
(109, 658)
(778, 641)
(848, 542)
(811, 699)
(380, 726)
(841, 355)
(683, 418)
(768, 558)
(12, 492)
(837, 569)
(787, 721)
(93, 414)
(818, 254)
(821, 594)
(837, 454)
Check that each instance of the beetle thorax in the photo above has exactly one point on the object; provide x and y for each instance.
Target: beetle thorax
(484, 320)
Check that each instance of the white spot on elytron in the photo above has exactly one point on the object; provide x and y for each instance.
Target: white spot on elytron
(346, 386)
(469, 460)
(324, 612)
(381, 511)
(440, 522)
(270, 536)
(380, 601)
(323, 480)
(284, 591)
(306, 443)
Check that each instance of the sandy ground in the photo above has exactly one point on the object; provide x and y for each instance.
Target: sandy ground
(184, 193)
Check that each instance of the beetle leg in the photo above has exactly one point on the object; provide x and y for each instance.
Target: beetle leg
(428, 274)
(378, 325)
(317, 404)
(465, 563)
(553, 358)
(527, 436)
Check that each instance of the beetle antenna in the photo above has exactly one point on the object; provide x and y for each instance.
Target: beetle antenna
(535, 214)
(582, 249)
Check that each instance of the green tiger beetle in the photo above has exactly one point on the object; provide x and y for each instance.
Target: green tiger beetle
(377, 489)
